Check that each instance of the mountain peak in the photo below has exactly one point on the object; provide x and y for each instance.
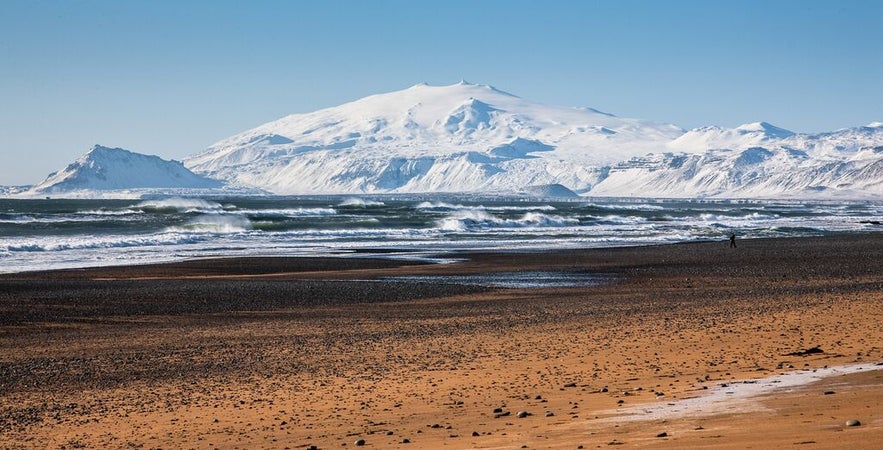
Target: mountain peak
(98, 150)
(765, 128)
(106, 168)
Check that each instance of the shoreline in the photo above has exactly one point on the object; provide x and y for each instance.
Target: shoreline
(276, 352)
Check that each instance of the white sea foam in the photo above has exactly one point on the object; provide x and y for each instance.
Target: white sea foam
(58, 244)
(477, 219)
(179, 204)
(443, 206)
(356, 202)
(287, 212)
(215, 223)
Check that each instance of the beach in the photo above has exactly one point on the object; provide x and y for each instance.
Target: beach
(343, 352)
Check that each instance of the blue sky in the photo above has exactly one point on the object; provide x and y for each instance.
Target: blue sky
(172, 77)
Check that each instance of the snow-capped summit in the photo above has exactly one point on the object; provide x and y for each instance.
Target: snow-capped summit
(476, 138)
(742, 137)
(768, 130)
(104, 168)
(462, 137)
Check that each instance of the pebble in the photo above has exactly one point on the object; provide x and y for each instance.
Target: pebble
(359, 443)
(663, 434)
(406, 441)
(549, 414)
(522, 414)
(853, 423)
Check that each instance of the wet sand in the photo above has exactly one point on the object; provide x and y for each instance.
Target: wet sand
(291, 352)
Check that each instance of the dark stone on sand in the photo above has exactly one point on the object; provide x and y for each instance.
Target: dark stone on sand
(570, 385)
(406, 441)
(662, 435)
(809, 351)
(498, 410)
(829, 392)
(312, 447)
(359, 443)
(522, 414)
(549, 414)
(853, 423)
(475, 434)
(502, 414)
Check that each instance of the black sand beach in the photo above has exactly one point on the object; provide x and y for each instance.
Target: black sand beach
(128, 347)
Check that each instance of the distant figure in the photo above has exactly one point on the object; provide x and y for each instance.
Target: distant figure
(732, 240)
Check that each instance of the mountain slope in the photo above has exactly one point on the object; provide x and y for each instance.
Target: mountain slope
(462, 137)
(474, 138)
(106, 169)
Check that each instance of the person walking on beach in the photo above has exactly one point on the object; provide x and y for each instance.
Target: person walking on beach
(732, 240)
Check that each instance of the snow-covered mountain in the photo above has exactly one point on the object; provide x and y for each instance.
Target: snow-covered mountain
(116, 169)
(475, 138)
(842, 164)
(458, 138)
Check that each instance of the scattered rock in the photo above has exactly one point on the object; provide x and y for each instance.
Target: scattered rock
(570, 385)
(853, 423)
(549, 414)
(522, 414)
(829, 392)
(661, 435)
(312, 447)
(809, 351)
(359, 443)
(498, 410)
(502, 414)
(475, 434)
(406, 441)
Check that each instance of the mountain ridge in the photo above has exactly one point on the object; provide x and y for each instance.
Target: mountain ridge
(466, 138)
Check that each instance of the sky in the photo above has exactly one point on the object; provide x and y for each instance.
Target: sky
(172, 77)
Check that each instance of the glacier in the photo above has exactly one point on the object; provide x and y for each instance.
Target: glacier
(470, 138)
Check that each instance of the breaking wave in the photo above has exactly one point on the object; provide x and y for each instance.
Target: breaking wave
(103, 242)
(472, 220)
(219, 224)
(442, 206)
(292, 212)
(177, 204)
(356, 202)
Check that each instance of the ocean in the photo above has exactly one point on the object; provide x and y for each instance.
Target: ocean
(57, 233)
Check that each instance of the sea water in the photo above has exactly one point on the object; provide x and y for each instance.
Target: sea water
(57, 233)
